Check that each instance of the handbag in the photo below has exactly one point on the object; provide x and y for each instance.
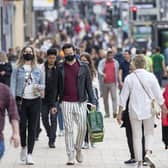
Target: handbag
(95, 126)
(155, 108)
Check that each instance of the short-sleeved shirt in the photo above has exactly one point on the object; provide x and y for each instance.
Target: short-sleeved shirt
(7, 102)
(157, 60)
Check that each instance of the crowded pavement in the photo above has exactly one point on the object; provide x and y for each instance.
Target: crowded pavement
(111, 153)
(84, 84)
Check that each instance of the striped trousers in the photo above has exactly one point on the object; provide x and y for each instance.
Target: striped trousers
(74, 112)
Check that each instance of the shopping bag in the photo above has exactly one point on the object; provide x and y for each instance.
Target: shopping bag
(95, 126)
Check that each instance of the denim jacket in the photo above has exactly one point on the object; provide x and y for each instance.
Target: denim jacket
(18, 79)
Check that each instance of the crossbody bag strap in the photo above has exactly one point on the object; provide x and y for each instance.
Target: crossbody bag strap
(142, 85)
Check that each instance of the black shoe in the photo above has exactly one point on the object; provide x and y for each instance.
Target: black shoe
(130, 161)
(106, 116)
(51, 144)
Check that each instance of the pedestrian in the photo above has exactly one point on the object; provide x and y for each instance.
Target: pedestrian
(159, 67)
(5, 69)
(108, 69)
(8, 104)
(86, 58)
(138, 86)
(165, 120)
(27, 84)
(74, 88)
(49, 119)
(126, 68)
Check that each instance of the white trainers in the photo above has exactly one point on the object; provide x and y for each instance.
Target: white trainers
(23, 154)
(79, 156)
(85, 146)
(29, 160)
(138, 165)
(61, 133)
(149, 160)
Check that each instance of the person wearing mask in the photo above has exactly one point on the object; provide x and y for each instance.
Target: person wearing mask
(49, 119)
(5, 69)
(27, 84)
(86, 58)
(73, 88)
(8, 104)
(108, 69)
(137, 87)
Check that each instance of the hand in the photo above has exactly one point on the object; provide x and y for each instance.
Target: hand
(119, 118)
(164, 109)
(15, 140)
(158, 115)
(3, 73)
(53, 110)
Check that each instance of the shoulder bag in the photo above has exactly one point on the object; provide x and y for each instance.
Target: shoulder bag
(155, 108)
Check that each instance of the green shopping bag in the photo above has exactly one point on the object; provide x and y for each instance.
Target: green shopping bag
(95, 126)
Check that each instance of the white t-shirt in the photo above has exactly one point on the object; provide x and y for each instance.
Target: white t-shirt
(28, 91)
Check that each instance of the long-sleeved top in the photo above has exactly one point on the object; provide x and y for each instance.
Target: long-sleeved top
(7, 67)
(84, 84)
(7, 102)
(140, 103)
(18, 79)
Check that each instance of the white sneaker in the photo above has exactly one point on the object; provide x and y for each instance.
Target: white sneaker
(29, 160)
(23, 154)
(61, 133)
(138, 165)
(85, 146)
(149, 160)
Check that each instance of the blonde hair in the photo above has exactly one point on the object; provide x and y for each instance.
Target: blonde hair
(21, 61)
(3, 57)
(139, 61)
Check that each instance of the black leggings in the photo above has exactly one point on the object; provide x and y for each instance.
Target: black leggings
(29, 114)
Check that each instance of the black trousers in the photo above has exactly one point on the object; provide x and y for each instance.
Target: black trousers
(165, 135)
(29, 113)
(50, 122)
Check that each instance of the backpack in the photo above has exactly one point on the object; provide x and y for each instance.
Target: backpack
(95, 126)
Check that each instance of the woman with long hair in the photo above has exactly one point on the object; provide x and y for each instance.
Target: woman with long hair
(5, 69)
(27, 83)
(86, 57)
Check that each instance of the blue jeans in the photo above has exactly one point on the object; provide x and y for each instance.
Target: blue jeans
(2, 148)
(59, 117)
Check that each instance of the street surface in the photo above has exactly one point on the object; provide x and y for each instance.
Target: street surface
(109, 154)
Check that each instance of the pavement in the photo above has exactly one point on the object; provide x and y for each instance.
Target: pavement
(111, 153)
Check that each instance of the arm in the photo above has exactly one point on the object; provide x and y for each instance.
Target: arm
(13, 81)
(125, 92)
(15, 139)
(120, 74)
(89, 87)
(14, 119)
(100, 67)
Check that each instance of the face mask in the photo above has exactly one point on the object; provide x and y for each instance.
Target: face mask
(70, 57)
(28, 57)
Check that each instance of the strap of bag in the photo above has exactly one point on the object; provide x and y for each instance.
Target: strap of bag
(142, 85)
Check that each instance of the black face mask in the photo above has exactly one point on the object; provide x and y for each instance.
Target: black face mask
(28, 57)
(69, 57)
